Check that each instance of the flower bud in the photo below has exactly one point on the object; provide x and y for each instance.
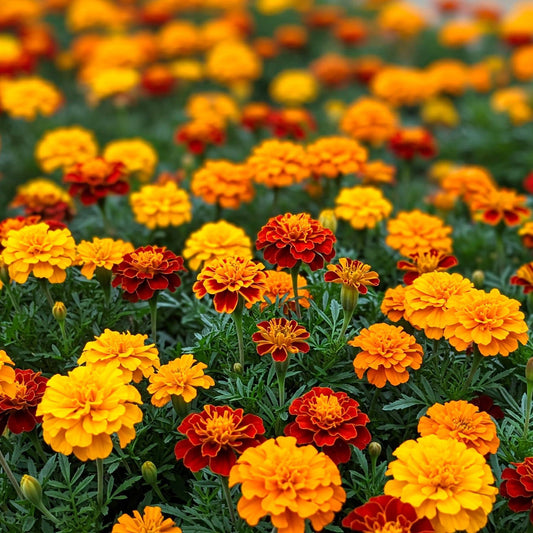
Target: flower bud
(328, 219)
(149, 472)
(31, 489)
(4, 273)
(59, 311)
(374, 449)
(237, 368)
(529, 371)
(478, 277)
(349, 298)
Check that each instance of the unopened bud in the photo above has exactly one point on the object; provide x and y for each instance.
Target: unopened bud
(529, 371)
(187, 161)
(478, 277)
(4, 273)
(374, 449)
(349, 298)
(237, 368)
(31, 489)
(59, 311)
(149, 472)
(328, 219)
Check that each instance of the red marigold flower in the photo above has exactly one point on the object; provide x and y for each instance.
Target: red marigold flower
(292, 123)
(524, 277)
(410, 142)
(96, 178)
(146, 270)
(280, 338)
(329, 420)
(387, 513)
(17, 411)
(354, 274)
(500, 205)
(216, 436)
(485, 403)
(200, 132)
(289, 238)
(426, 261)
(517, 487)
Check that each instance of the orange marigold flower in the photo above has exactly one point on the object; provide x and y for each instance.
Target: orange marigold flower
(393, 304)
(289, 483)
(402, 18)
(215, 435)
(366, 67)
(201, 132)
(467, 182)
(223, 183)
(356, 275)
(414, 231)
(38, 249)
(444, 481)
(7, 375)
(458, 33)
(386, 353)
(521, 63)
(291, 36)
(178, 38)
(255, 115)
(152, 521)
(378, 172)
(526, 233)
(83, 409)
(292, 123)
(16, 223)
(407, 143)
(369, 120)
(336, 156)
(161, 205)
(351, 30)
(426, 300)
(180, 377)
(278, 163)
(332, 70)
(101, 254)
(288, 239)
(462, 421)
(280, 338)
(204, 104)
(216, 239)
(428, 261)
(363, 207)
(228, 279)
(124, 351)
(524, 277)
(492, 321)
(497, 205)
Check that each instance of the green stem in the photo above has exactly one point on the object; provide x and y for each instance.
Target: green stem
(11, 296)
(227, 496)
(180, 405)
(153, 316)
(346, 321)
(218, 211)
(100, 481)
(237, 318)
(46, 289)
(47, 513)
(373, 401)
(275, 199)
(4, 464)
(108, 229)
(529, 396)
(37, 445)
(294, 275)
(281, 373)
(158, 492)
(476, 361)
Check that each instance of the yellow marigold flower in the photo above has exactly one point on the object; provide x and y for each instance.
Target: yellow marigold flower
(414, 231)
(363, 207)
(138, 156)
(336, 156)
(522, 63)
(289, 483)
(468, 181)
(215, 31)
(369, 120)
(27, 97)
(152, 521)
(187, 70)
(22, 12)
(440, 111)
(377, 173)
(294, 88)
(444, 481)
(462, 421)
(178, 38)
(401, 18)
(212, 103)
(90, 14)
(64, 147)
(8, 386)
(457, 33)
(277, 163)
(387, 352)
(161, 205)
(440, 169)
(426, 300)
(38, 249)
(101, 254)
(273, 7)
(113, 81)
(515, 102)
(492, 321)
(216, 239)
(393, 304)
(232, 63)
(124, 351)
(181, 377)
(83, 409)
(223, 183)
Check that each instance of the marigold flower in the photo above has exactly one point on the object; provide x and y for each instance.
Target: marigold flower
(233, 62)
(255, 115)
(178, 38)
(112, 82)
(7, 375)
(451, 76)
(278, 163)
(228, 278)
(157, 80)
(414, 231)
(64, 147)
(288, 239)
(356, 275)
(386, 513)
(458, 33)
(427, 261)
(521, 63)
(200, 132)
(16, 223)
(439, 112)
(101, 254)
(517, 487)
(407, 143)
(289, 483)
(180, 377)
(363, 207)
(216, 239)
(83, 409)
(293, 88)
(524, 277)
(386, 352)
(137, 155)
(499, 205)
(369, 120)
(292, 123)
(351, 31)
(223, 183)
(329, 420)
(332, 70)
(124, 351)
(215, 436)
(462, 421)
(444, 481)
(377, 173)
(152, 521)
(18, 407)
(335, 156)
(526, 233)
(393, 304)
(402, 18)
(161, 205)
(280, 338)
(213, 103)
(490, 320)
(147, 269)
(467, 182)
(39, 250)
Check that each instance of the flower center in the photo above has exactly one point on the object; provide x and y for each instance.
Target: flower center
(96, 170)
(389, 527)
(287, 476)
(462, 424)
(220, 429)
(147, 262)
(326, 411)
(444, 477)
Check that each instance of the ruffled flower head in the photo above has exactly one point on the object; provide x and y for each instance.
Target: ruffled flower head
(280, 338)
